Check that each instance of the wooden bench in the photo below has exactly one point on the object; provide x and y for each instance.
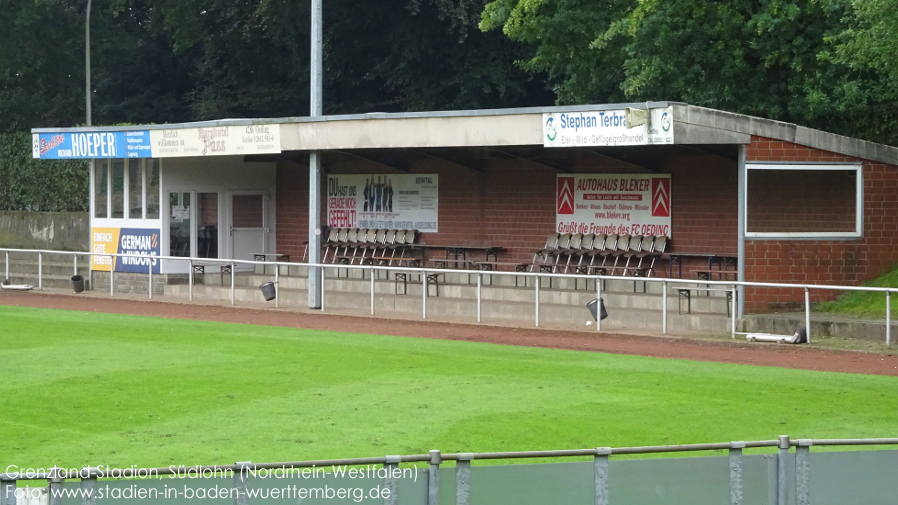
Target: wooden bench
(225, 268)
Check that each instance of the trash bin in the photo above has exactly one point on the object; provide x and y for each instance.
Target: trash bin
(78, 283)
(268, 291)
(592, 308)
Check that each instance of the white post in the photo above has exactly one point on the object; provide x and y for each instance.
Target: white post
(664, 307)
(40, 270)
(75, 267)
(150, 288)
(598, 303)
(537, 301)
(424, 294)
(807, 313)
(733, 311)
(7, 265)
(277, 285)
(372, 290)
(233, 299)
(190, 277)
(479, 287)
(111, 276)
(888, 319)
(323, 275)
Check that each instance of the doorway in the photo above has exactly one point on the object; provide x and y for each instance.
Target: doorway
(249, 225)
(193, 224)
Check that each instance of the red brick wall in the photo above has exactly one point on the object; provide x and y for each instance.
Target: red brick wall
(824, 261)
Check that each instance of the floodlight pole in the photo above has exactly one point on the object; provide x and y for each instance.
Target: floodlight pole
(87, 63)
(315, 110)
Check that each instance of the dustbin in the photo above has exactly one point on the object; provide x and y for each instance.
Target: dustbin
(78, 283)
(592, 308)
(268, 291)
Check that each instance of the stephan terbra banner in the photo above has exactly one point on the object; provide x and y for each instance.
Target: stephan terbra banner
(158, 143)
(608, 128)
(383, 201)
(625, 204)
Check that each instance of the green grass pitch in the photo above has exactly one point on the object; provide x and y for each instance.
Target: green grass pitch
(84, 389)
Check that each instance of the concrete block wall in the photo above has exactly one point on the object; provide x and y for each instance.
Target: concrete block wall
(129, 283)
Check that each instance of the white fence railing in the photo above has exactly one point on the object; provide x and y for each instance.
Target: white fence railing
(731, 286)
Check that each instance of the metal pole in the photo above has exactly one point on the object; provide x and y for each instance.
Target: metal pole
(463, 479)
(150, 288)
(888, 319)
(111, 276)
(40, 270)
(89, 486)
(736, 473)
(479, 294)
(372, 291)
(803, 472)
(600, 475)
(536, 311)
(277, 285)
(87, 64)
(233, 300)
(598, 304)
(664, 307)
(75, 266)
(7, 265)
(190, 277)
(733, 311)
(741, 198)
(323, 274)
(781, 470)
(433, 478)
(424, 294)
(807, 313)
(8, 492)
(390, 481)
(315, 110)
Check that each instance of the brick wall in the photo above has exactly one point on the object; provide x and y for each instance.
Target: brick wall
(824, 261)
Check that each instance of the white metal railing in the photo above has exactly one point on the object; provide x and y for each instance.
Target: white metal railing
(730, 286)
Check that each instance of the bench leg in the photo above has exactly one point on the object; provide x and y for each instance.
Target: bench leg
(687, 294)
(401, 277)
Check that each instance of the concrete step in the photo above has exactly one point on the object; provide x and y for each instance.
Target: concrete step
(47, 281)
(822, 324)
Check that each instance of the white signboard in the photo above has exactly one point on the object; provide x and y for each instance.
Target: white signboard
(216, 140)
(606, 128)
(384, 201)
(632, 204)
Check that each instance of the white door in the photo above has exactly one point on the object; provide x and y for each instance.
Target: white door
(249, 225)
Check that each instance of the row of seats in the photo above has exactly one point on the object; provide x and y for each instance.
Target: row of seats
(594, 252)
(370, 246)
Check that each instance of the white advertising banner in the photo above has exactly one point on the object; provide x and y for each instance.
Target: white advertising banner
(391, 201)
(216, 141)
(606, 128)
(632, 204)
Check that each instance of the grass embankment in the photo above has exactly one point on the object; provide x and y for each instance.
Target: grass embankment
(99, 389)
(866, 304)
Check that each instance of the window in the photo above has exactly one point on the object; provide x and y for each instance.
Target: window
(117, 195)
(152, 174)
(135, 189)
(804, 200)
(101, 188)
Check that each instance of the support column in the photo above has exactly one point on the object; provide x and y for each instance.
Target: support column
(740, 227)
(315, 110)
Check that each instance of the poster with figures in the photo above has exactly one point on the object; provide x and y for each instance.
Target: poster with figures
(383, 201)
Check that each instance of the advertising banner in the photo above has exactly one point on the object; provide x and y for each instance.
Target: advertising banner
(98, 145)
(143, 242)
(220, 140)
(391, 201)
(216, 141)
(632, 204)
(606, 128)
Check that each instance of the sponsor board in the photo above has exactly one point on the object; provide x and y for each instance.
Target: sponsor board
(142, 242)
(606, 128)
(91, 145)
(624, 204)
(163, 143)
(384, 201)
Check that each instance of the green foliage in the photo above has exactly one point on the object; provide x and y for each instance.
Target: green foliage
(155, 392)
(39, 185)
(866, 304)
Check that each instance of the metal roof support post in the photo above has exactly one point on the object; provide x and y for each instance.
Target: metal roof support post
(736, 470)
(740, 227)
(315, 110)
(600, 462)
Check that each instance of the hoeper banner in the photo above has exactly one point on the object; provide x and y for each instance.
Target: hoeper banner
(142, 242)
(632, 204)
(385, 201)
